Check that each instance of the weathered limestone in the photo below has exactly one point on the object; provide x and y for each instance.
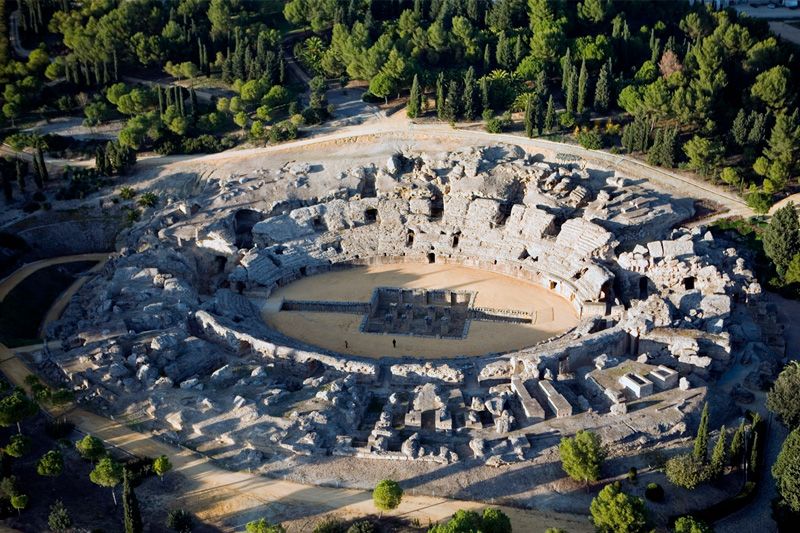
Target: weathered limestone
(532, 409)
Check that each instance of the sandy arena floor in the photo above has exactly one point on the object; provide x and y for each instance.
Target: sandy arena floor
(330, 330)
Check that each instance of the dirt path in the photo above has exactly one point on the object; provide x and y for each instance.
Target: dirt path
(218, 496)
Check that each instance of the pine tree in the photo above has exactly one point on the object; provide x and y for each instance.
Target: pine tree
(719, 456)
(130, 506)
(583, 88)
(440, 96)
(470, 113)
(550, 115)
(572, 89)
(740, 128)
(529, 116)
(602, 91)
(414, 99)
(701, 440)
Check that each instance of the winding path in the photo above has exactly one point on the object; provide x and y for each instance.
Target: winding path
(215, 494)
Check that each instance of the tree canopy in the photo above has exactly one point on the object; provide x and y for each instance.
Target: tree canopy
(582, 456)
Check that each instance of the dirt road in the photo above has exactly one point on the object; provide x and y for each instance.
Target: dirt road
(219, 496)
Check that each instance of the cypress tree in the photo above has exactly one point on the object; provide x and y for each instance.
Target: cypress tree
(519, 50)
(440, 96)
(37, 174)
(572, 89)
(740, 128)
(485, 97)
(414, 99)
(655, 151)
(754, 452)
(160, 101)
(487, 58)
(719, 456)
(669, 143)
(130, 506)
(583, 88)
(701, 440)
(529, 117)
(538, 111)
(193, 100)
(550, 115)
(758, 128)
(42, 166)
(737, 444)
(21, 169)
(602, 93)
(566, 69)
(469, 94)
(451, 108)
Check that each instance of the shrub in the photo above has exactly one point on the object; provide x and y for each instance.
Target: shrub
(686, 471)
(59, 519)
(283, 131)
(330, 525)
(362, 526)
(590, 139)
(633, 474)
(654, 492)
(758, 201)
(127, 193)
(180, 521)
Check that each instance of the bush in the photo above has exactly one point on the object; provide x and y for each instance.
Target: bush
(590, 139)
(498, 124)
(686, 471)
(330, 525)
(283, 131)
(180, 521)
(362, 526)
(633, 474)
(758, 201)
(567, 120)
(139, 469)
(59, 519)
(654, 492)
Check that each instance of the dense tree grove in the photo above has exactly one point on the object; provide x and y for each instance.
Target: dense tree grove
(684, 75)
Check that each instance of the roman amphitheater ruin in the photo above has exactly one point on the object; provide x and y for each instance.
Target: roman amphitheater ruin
(429, 308)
